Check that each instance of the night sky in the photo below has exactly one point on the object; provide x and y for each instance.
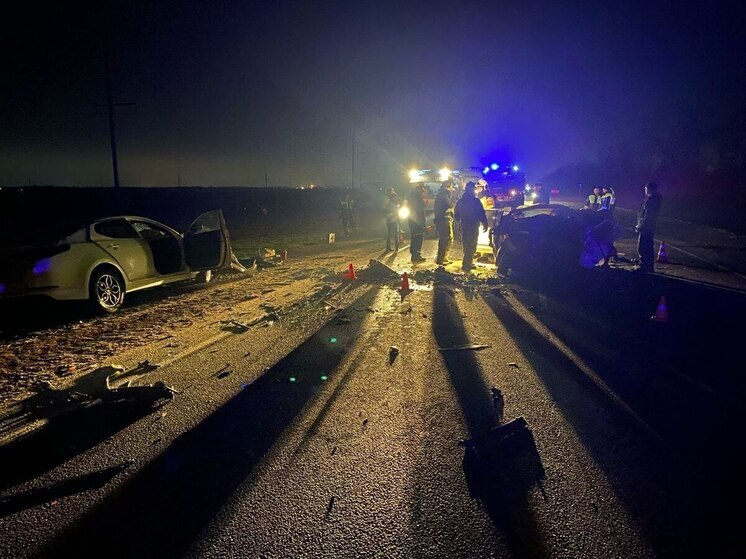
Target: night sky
(228, 91)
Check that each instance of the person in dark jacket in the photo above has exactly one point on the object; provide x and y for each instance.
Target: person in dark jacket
(392, 220)
(416, 204)
(646, 222)
(469, 212)
(444, 221)
(608, 200)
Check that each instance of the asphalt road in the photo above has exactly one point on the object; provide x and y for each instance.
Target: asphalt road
(295, 431)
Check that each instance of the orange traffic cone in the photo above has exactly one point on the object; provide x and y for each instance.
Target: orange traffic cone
(662, 258)
(351, 272)
(661, 313)
(405, 282)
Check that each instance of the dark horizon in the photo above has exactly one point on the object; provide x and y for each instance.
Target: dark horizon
(227, 93)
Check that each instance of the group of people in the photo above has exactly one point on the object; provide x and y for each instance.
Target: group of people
(602, 198)
(467, 211)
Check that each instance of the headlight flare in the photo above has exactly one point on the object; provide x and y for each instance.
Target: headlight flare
(403, 212)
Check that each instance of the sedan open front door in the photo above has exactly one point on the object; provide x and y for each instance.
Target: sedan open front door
(207, 244)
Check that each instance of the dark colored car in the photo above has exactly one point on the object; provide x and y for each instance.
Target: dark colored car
(552, 237)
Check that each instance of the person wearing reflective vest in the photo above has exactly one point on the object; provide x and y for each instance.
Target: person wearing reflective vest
(594, 199)
(608, 201)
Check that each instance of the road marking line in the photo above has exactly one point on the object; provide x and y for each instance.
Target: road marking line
(537, 325)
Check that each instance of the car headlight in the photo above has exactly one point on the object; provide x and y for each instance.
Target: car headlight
(535, 195)
(513, 192)
(403, 212)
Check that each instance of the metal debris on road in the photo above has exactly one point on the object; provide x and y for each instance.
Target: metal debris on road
(514, 364)
(465, 347)
(393, 352)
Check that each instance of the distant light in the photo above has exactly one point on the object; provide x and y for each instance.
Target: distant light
(324, 377)
(414, 175)
(535, 195)
(528, 187)
(485, 170)
(494, 166)
(404, 212)
(513, 193)
(515, 167)
(292, 379)
(333, 340)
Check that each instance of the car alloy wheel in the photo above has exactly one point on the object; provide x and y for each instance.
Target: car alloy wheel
(108, 291)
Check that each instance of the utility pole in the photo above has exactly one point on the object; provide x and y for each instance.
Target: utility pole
(266, 180)
(353, 158)
(110, 104)
(179, 178)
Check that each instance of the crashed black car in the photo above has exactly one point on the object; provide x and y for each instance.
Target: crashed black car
(553, 237)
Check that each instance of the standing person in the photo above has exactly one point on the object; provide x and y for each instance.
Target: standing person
(470, 213)
(646, 222)
(416, 204)
(444, 222)
(344, 213)
(608, 200)
(594, 199)
(392, 220)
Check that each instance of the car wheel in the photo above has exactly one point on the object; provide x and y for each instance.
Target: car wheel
(107, 290)
(204, 276)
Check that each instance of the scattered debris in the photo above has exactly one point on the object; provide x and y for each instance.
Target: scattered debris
(365, 423)
(165, 338)
(378, 271)
(234, 325)
(513, 364)
(225, 373)
(498, 405)
(65, 370)
(393, 352)
(465, 347)
(334, 451)
(266, 253)
(343, 320)
(330, 506)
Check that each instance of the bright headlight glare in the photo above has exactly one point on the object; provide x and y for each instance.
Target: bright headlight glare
(535, 195)
(404, 212)
(414, 174)
(444, 173)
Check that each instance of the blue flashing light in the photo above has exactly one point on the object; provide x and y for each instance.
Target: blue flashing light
(485, 170)
(494, 166)
(2, 288)
(515, 167)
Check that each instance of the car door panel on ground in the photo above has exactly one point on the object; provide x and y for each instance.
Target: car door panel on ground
(120, 240)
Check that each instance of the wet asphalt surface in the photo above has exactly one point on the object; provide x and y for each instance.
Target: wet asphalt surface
(309, 438)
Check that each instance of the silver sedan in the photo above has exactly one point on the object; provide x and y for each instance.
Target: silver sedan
(101, 260)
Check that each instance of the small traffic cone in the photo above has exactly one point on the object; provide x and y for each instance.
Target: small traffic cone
(405, 282)
(661, 313)
(662, 258)
(351, 272)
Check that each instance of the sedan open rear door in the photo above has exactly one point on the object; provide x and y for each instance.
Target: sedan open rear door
(207, 244)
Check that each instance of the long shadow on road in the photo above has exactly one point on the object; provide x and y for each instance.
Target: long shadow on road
(164, 507)
(678, 504)
(504, 494)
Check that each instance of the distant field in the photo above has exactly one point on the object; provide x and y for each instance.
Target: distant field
(257, 217)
